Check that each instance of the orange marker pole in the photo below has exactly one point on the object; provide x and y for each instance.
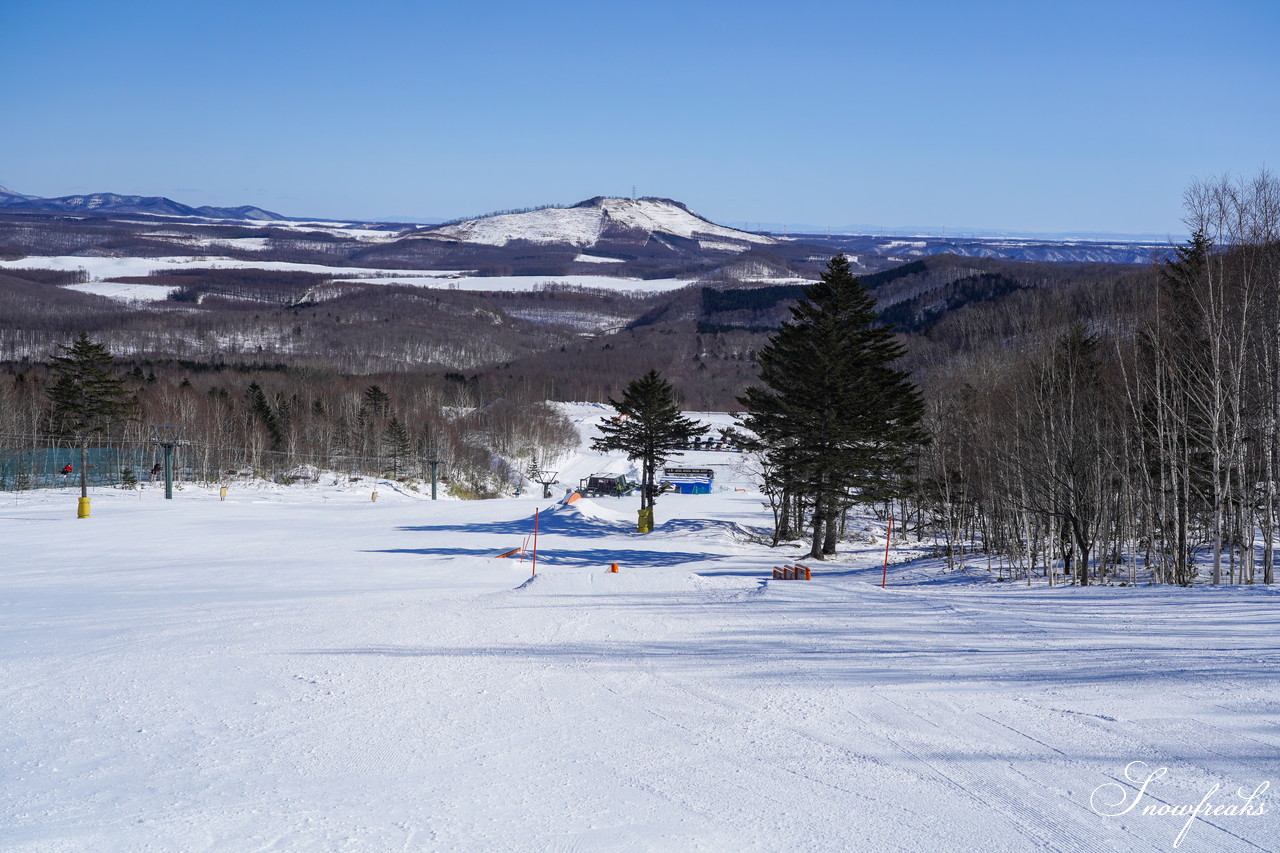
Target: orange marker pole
(885, 577)
(535, 544)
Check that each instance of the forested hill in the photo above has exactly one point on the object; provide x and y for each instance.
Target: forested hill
(913, 297)
(115, 204)
(571, 343)
(250, 304)
(707, 336)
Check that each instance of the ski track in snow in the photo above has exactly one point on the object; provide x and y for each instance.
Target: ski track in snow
(302, 668)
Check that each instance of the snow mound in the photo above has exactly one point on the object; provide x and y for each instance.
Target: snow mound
(582, 517)
(706, 529)
(588, 508)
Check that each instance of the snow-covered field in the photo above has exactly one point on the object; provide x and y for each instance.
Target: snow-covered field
(535, 282)
(99, 270)
(303, 668)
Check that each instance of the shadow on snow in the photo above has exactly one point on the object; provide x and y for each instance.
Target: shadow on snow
(576, 557)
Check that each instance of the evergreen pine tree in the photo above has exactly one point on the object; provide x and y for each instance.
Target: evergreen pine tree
(399, 446)
(379, 401)
(261, 409)
(86, 398)
(837, 422)
(648, 427)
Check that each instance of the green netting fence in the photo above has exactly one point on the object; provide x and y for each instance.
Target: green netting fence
(41, 463)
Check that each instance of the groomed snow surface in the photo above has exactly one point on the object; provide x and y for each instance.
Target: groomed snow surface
(304, 668)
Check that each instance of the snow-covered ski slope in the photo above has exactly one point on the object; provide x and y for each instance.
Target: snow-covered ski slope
(303, 668)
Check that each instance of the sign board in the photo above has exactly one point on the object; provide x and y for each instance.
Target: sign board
(689, 472)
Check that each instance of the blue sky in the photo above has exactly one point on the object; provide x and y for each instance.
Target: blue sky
(1020, 115)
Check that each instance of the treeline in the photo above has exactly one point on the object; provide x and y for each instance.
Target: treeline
(56, 278)
(563, 342)
(1125, 430)
(33, 234)
(503, 212)
(270, 422)
(246, 285)
(919, 313)
(251, 316)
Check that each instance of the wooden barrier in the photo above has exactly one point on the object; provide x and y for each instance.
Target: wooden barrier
(509, 553)
(792, 573)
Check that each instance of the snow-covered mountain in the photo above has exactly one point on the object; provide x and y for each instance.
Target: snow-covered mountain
(600, 220)
(114, 203)
(8, 196)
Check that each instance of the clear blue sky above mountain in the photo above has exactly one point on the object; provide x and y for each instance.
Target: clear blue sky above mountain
(1030, 116)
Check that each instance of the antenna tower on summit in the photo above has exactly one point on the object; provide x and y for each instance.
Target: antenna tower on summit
(633, 192)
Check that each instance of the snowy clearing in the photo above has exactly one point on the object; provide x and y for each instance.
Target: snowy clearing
(596, 259)
(302, 668)
(101, 269)
(537, 282)
(125, 292)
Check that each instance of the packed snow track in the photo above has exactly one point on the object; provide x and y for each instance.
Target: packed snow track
(297, 669)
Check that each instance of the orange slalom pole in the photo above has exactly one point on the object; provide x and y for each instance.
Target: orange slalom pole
(885, 577)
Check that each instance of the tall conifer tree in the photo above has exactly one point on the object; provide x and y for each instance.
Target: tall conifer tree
(85, 397)
(837, 420)
(399, 445)
(649, 427)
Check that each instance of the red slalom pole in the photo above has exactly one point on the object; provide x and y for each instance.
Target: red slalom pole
(535, 544)
(885, 577)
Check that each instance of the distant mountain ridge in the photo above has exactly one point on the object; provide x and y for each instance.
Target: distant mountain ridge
(114, 203)
(901, 250)
(617, 236)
